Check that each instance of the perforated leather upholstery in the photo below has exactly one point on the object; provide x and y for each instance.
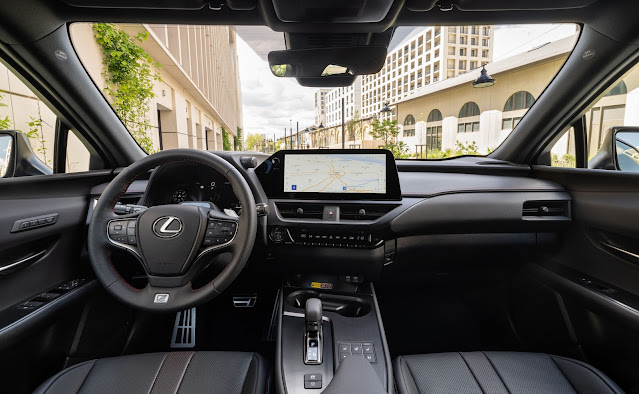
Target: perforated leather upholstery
(497, 373)
(164, 373)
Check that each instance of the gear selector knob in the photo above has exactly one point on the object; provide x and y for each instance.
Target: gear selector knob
(313, 314)
(313, 335)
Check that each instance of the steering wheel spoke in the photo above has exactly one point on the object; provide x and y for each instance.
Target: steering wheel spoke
(221, 231)
(122, 232)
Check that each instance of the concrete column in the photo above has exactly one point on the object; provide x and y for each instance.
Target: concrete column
(449, 132)
(489, 128)
(631, 117)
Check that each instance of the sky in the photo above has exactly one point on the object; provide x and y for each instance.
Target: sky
(269, 103)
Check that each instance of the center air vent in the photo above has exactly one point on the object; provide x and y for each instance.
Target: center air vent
(364, 212)
(546, 209)
(300, 210)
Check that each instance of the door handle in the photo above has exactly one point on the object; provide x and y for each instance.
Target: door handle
(20, 264)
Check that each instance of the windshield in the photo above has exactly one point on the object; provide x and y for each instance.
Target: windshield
(442, 91)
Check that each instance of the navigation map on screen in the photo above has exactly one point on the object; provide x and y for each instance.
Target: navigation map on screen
(335, 173)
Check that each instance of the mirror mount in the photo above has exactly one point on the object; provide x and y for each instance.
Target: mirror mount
(20, 158)
(619, 150)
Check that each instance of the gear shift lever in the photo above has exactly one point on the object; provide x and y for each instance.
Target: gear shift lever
(313, 334)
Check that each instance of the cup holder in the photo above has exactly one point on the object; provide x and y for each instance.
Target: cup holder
(348, 306)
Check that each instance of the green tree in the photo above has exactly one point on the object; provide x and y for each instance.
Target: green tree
(226, 142)
(253, 141)
(388, 131)
(469, 149)
(238, 139)
(129, 73)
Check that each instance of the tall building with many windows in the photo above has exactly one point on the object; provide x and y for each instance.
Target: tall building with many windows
(426, 56)
(352, 96)
(320, 106)
(422, 57)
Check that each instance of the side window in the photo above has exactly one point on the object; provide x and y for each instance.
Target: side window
(33, 129)
(612, 126)
(563, 153)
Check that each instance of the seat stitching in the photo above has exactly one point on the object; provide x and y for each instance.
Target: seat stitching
(159, 371)
(496, 371)
(588, 367)
(87, 376)
(401, 371)
(62, 373)
(257, 362)
(562, 373)
(268, 378)
(472, 372)
(184, 372)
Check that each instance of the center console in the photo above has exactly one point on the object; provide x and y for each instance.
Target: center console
(320, 330)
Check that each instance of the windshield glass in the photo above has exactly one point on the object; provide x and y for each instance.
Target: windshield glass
(443, 91)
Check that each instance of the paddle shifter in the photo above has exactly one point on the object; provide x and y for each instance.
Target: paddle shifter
(313, 334)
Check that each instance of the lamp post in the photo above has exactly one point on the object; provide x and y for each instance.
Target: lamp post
(343, 125)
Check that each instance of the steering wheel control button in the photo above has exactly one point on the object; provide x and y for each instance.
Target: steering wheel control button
(116, 229)
(161, 298)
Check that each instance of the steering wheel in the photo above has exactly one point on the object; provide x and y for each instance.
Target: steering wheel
(172, 242)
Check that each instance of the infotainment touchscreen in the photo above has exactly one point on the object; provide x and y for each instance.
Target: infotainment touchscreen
(335, 173)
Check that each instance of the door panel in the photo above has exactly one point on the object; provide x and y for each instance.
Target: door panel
(595, 275)
(53, 251)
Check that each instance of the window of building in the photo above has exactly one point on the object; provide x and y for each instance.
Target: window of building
(462, 51)
(486, 31)
(484, 42)
(519, 100)
(434, 138)
(473, 41)
(619, 89)
(510, 123)
(473, 52)
(434, 116)
(409, 132)
(469, 109)
(409, 120)
(462, 40)
(468, 127)
(484, 53)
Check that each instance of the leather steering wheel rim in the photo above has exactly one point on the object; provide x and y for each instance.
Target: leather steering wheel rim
(173, 297)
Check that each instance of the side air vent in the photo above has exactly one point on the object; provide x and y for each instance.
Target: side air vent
(364, 212)
(300, 210)
(546, 209)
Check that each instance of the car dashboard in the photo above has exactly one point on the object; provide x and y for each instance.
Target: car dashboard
(356, 234)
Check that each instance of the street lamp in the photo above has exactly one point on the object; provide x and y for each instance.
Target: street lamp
(484, 80)
(386, 108)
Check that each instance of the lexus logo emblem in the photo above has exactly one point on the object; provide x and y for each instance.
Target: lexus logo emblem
(167, 226)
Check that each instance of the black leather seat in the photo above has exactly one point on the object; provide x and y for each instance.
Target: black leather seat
(497, 372)
(158, 373)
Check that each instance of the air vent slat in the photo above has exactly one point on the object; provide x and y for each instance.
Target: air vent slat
(546, 209)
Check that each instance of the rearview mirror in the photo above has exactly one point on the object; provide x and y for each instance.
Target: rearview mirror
(619, 150)
(17, 157)
(327, 62)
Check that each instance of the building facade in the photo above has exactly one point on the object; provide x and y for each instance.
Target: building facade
(320, 105)
(425, 56)
(199, 91)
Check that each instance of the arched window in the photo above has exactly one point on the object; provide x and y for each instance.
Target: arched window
(469, 109)
(620, 88)
(409, 120)
(434, 116)
(519, 100)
